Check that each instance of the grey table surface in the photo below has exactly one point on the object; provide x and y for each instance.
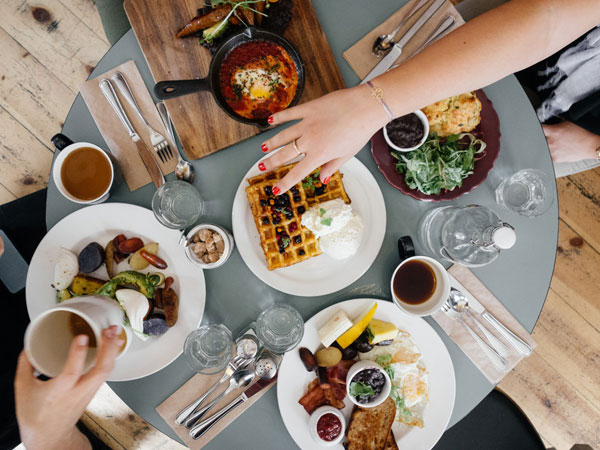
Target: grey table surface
(520, 278)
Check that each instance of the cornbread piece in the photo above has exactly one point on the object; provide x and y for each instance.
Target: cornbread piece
(454, 115)
(369, 428)
(278, 217)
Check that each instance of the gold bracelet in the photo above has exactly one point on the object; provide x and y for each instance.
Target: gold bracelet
(377, 93)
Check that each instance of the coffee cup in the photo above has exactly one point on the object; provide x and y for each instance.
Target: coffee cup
(49, 336)
(82, 171)
(420, 285)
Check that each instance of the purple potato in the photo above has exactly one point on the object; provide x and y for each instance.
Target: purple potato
(91, 257)
(155, 325)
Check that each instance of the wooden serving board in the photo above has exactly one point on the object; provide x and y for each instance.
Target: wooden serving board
(202, 126)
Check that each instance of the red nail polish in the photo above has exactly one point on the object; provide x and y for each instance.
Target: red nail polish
(264, 148)
(276, 190)
(326, 180)
(270, 119)
(261, 167)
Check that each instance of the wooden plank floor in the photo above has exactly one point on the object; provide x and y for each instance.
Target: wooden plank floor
(48, 49)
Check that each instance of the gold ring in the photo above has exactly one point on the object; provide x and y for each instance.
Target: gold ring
(296, 147)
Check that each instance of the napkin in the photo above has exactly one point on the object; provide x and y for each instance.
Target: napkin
(193, 389)
(465, 281)
(360, 55)
(116, 137)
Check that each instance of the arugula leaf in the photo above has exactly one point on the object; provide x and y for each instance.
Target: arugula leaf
(327, 221)
(396, 395)
(440, 163)
(321, 212)
(384, 361)
(358, 389)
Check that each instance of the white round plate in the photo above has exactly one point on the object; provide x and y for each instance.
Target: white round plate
(293, 378)
(321, 274)
(101, 223)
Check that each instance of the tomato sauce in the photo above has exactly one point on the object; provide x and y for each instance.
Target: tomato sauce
(257, 79)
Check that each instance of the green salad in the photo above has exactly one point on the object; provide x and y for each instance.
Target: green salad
(440, 163)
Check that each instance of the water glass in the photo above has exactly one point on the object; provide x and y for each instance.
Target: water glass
(527, 192)
(280, 328)
(177, 204)
(209, 349)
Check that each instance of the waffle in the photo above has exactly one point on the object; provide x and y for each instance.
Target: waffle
(282, 237)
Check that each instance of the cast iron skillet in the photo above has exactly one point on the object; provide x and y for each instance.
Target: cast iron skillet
(171, 89)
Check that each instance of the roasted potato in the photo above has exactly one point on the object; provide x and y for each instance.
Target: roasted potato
(86, 285)
(137, 261)
(170, 303)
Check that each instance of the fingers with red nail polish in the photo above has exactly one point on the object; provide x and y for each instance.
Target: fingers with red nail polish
(261, 167)
(326, 180)
(276, 190)
(264, 148)
(270, 119)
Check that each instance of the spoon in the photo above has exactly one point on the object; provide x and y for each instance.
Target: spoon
(386, 41)
(238, 380)
(184, 171)
(460, 304)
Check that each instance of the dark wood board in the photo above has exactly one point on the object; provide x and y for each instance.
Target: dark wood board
(201, 125)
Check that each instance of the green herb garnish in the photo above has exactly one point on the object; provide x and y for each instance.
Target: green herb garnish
(310, 180)
(440, 163)
(359, 389)
(285, 241)
(326, 222)
(396, 395)
(370, 335)
(384, 361)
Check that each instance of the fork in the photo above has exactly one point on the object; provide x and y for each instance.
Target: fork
(498, 361)
(159, 142)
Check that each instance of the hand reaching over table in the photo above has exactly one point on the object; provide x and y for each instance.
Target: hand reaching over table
(502, 41)
(47, 411)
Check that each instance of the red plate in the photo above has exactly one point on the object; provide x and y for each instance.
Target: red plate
(488, 130)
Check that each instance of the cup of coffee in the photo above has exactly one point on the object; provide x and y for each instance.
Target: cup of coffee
(420, 285)
(49, 336)
(82, 172)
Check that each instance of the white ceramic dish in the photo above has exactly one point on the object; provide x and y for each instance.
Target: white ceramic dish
(322, 274)
(227, 240)
(101, 223)
(314, 419)
(359, 367)
(293, 378)
(421, 115)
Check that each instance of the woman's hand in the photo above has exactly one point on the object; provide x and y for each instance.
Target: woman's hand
(332, 129)
(569, 142)
(47, 411)
(1, 246)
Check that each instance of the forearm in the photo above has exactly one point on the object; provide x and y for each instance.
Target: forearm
(487, 48)
(71, 440)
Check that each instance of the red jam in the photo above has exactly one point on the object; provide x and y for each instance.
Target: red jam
(329, 427)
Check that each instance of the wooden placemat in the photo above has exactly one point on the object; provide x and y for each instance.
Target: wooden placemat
(114, 133)
(360, 55)
(465, 281)
(190, 391)
(202, 126)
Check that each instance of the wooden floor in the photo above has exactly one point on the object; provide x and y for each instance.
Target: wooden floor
(49, 47)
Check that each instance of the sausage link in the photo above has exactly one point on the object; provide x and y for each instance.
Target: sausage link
(157, 262)
(130, 245)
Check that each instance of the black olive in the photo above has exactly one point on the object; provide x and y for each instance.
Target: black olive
(361, 343)
(349, 353)
(387, 342)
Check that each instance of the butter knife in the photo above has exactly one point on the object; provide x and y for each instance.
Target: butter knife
(202, 427)
(147, 158)
(519, 345)
(396, 50)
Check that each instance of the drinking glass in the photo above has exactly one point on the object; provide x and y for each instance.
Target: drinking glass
(527, 192)
(208, 349)
(280, 328)
(177, 204)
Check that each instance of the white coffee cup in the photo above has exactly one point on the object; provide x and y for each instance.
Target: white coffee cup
(56, 173)
(439, 296)
(48, 337)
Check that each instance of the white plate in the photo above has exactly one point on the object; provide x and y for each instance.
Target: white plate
(322, 274)
(100, 223)
(293, 378)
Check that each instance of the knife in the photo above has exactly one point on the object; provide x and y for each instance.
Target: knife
(396, 50)
(202, 427)
(522, 347)
(144, 152)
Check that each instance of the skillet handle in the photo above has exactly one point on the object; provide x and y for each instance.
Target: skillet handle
(165, 90)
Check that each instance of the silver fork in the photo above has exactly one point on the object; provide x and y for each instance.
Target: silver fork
(159, 142)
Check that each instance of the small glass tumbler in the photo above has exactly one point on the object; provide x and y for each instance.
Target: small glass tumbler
(280, 328)
(208, 349)
(177, 204)
(527, 192)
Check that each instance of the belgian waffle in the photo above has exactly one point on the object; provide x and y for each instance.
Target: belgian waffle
(283, 239)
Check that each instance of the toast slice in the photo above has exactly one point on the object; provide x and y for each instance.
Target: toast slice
(390, 444)
(370, 428)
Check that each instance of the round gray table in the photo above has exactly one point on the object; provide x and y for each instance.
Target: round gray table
(520, 278)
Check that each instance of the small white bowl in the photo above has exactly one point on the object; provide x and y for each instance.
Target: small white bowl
(227, 239)
(421, 115)
(359, 367)
(314, 419)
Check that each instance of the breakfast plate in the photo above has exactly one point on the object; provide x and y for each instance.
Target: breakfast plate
(322, 274)
(101, 223)
(293, 378)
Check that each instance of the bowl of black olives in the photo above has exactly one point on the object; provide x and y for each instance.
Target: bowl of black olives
(367, 384)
